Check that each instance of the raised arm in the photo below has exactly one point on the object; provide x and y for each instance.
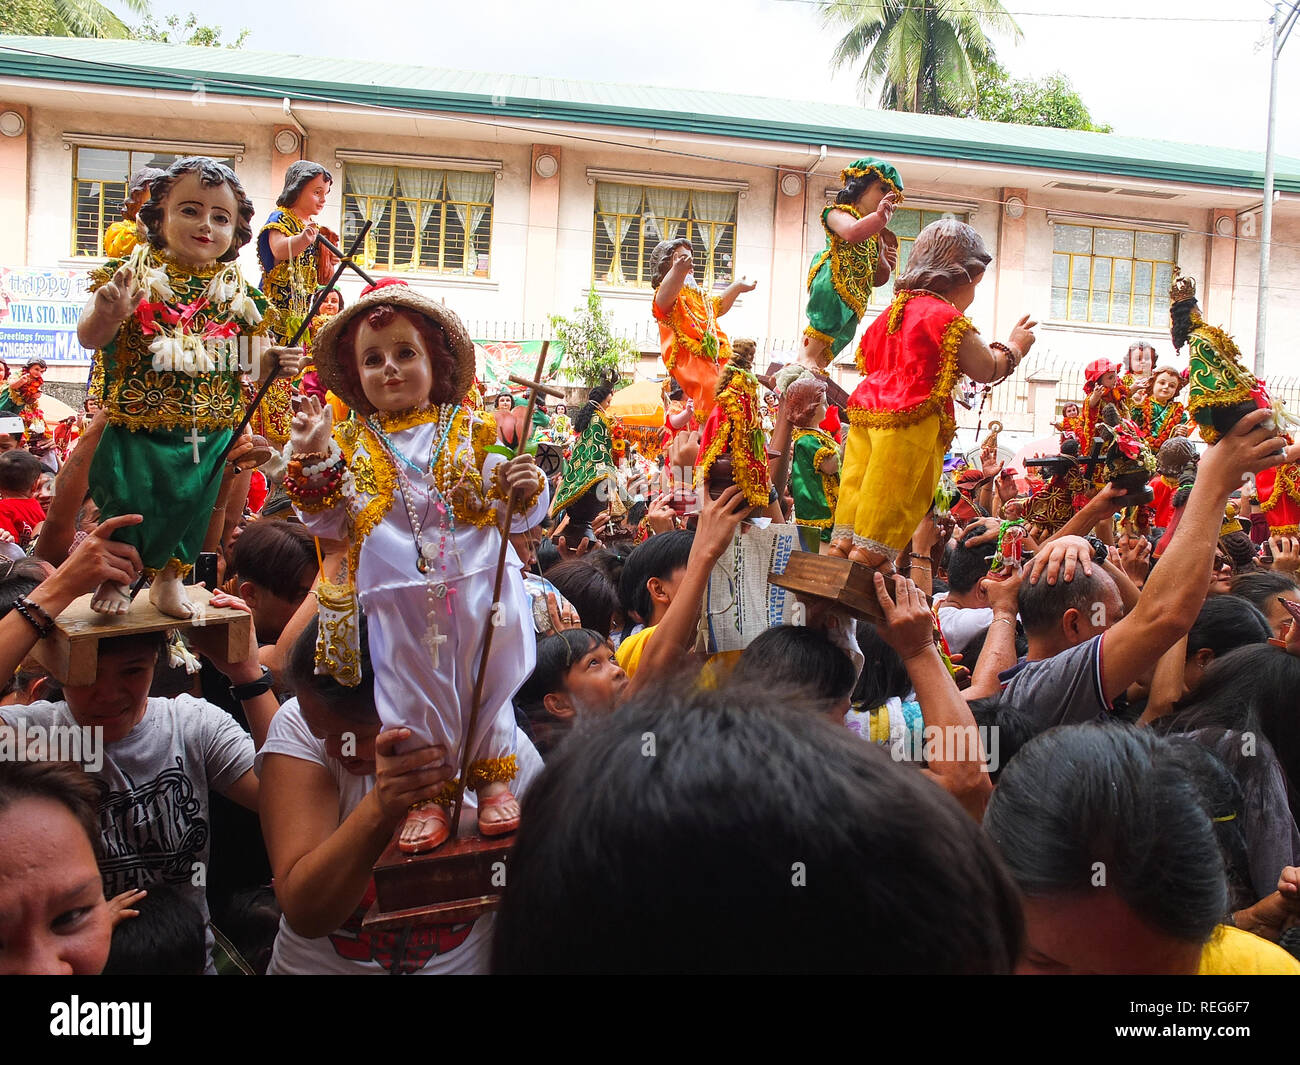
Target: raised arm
(70, 487)
(732, 291)
(1173, 594)
(672, 637)
(110, 305)
(978, 361)
(956, 763)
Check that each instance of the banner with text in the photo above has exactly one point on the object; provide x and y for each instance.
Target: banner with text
(38, 315)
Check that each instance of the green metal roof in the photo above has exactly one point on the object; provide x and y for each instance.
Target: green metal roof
(236, 72)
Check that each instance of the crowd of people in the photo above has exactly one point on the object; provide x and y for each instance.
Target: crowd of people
(1048, 743)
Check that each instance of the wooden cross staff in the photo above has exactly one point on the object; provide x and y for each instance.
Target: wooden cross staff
(534, 387)
(345, 263)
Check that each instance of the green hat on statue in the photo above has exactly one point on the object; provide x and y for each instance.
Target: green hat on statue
(868, 165)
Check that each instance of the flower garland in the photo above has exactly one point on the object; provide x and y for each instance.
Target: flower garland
(179, 344)
(1158, 428)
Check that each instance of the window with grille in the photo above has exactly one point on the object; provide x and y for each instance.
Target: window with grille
(1118, 276)
(99, 181)
(906, 225)
(435, 221)
(632, 219)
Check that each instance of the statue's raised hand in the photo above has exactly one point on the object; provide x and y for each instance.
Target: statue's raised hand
(117, 300)
(312, 426)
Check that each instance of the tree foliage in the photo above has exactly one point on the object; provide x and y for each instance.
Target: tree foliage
(1049, 101)
(67, 18)
(592, 353)
(173, 31)
(924, 54)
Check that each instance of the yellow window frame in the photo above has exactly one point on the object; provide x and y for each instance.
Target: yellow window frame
(614, 276)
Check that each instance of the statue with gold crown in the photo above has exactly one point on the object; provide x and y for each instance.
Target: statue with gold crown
(1221, 391)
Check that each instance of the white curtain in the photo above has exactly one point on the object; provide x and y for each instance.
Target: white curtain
(717, 207)
(663, 205)
(416, 184)
(465, 188)
(617, 200)
(376, 184)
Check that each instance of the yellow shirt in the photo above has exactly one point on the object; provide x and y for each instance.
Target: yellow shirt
(629, 651)
(1232, 952)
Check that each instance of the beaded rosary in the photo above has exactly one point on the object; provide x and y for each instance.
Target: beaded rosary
(427, 559)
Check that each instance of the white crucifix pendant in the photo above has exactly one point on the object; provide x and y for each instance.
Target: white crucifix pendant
(196, 440)
(435, 640)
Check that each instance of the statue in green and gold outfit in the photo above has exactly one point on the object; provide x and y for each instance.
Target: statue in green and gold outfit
(859, 255)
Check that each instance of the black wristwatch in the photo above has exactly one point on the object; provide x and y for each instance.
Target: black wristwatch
(251, 690)
(1099, 550)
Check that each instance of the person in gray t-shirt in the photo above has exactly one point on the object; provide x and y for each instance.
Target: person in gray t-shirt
(154, 761)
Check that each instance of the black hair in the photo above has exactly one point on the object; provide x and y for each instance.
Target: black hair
(354, 704)
(967, 566)
(63, 782)
(1081, 794)
(1226, 622)
(609, 562)
(1262, 587)
(799, 659)
(166, 939)
(660, 556)
(1222, 800)
(1043, 605)
(757, 830)
(589, 590)
(133, 643)
(298, 177)
(1249, 690)
(883, 676)
(595, 398)
(548, 555)
(1015, 727)
(210, 173)
(556, 655)
(1180, 321)
(20, 579)
(273, 554)
(19, 471)
(855, 187)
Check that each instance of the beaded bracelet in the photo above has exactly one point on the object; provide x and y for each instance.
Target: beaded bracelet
(40, 610)
(42, 630)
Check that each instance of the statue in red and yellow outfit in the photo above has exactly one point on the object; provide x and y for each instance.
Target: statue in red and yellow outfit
(693, 345)
(901, 415)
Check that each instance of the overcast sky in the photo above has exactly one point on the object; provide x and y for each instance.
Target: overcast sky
(1203, 82)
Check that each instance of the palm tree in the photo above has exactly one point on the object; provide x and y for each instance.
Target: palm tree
(68, 18)
(925, 52)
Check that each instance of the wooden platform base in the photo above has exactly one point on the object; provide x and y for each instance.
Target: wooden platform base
(459, 881)
(71, 652)
(849, 584)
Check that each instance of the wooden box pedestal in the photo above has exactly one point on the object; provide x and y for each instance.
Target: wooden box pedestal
(459, 881)
(849, 584)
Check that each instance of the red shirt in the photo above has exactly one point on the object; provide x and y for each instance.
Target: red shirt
(908, 357)
(19, 517)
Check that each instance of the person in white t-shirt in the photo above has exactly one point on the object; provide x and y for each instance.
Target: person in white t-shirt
(333, 793)
(964, 613)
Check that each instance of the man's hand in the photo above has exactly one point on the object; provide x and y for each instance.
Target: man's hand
(561, 618)
(1251, 445)
(210, 642)
(95, 560)
(568, 553)
(1135, 558)
(1286, 553)
(980, 531)
(719, 520)
(660, 515)
(1061, 558)
(1003, 593)
(990, 464)
(122, 907)
(908, 626)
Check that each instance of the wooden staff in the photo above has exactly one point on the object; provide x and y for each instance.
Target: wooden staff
(534, 387)
(345, 263)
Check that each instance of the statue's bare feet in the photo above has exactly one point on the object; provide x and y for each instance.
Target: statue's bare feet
(426, 827)
(873, 559)
(168, 595)
(498, 809)
(840, 548)
(111, 598)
